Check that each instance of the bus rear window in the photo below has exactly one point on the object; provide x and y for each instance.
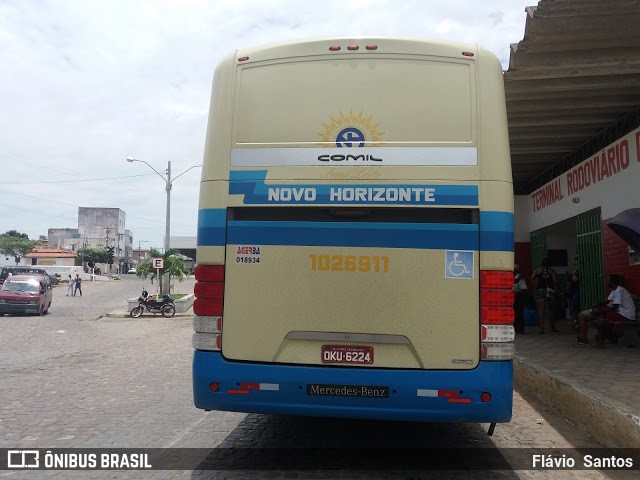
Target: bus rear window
(304, 103)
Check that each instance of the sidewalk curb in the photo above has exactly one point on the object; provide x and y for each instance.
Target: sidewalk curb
(611, 425)
(125, 314)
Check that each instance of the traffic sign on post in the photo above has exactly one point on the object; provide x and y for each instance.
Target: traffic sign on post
(158, 262)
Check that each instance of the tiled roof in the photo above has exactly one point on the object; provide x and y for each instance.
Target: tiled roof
(50, 252)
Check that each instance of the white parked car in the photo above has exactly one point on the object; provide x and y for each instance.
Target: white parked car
(132, 270)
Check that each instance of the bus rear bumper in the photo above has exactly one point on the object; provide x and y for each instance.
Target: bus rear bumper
(417, 395)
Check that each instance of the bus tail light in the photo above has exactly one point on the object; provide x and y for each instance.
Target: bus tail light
(209, 290)
(209, 273)
(207, 342)
(497, 333)
(496, 315)
(498, 351)
(208, 307)
(496, 279)
(497, 297)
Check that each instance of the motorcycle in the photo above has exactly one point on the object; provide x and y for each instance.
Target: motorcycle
(165, 306)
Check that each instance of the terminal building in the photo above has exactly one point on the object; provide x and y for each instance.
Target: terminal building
(573, 106)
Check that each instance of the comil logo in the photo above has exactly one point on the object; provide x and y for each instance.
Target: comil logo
(351, 131)
(23, 459)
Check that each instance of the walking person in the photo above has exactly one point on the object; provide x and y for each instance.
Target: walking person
(70, 284)
(78, 283)
(545, 293)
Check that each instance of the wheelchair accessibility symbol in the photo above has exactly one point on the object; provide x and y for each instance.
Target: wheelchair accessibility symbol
(458, 264)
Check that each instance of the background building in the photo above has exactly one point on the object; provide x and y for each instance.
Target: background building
(105, 227)
(66, 238)
(50, 256)
(97, 228)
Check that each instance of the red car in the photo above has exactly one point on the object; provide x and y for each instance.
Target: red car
(30, 294)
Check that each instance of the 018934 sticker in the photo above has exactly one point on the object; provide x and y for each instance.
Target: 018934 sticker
(248, 254)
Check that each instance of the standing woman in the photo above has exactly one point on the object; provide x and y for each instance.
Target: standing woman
(545, 276)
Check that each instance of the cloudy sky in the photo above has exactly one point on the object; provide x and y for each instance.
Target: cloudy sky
(87, 83)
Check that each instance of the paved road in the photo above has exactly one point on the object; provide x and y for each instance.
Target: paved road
(75, 378)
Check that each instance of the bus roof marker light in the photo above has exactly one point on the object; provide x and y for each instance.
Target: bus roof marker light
(371, 47)
(353, 47)
(468, 54)
(334, 48)
(243, 59)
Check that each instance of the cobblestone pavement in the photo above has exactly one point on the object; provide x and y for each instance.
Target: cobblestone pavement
(75, 378)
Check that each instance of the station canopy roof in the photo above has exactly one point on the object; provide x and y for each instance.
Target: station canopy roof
(575, 73)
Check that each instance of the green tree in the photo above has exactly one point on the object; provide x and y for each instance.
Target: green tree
(93, 255)
(174, 266)
(16, 244)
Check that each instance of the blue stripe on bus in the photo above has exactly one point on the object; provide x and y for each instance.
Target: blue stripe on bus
(496, 233)
(244, 175)
(242, 182)
(354, 234)
(251, 184)
(212, 227)
(403, 402)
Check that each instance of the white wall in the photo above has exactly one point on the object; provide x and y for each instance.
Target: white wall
(9, 261)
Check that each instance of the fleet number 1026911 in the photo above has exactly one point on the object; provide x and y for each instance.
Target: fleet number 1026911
(349, 263)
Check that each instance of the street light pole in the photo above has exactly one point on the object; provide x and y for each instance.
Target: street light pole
(168, 184)
(167, 231)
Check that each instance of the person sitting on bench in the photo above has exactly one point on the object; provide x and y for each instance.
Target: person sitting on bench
(619, 306)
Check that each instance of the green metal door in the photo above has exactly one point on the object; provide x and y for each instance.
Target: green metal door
(538, 248)
(590, 256)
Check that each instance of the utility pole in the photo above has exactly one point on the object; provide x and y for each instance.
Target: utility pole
(140, 249)
(168, 183)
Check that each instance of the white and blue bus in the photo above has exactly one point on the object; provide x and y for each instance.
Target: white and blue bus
(355, 235)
